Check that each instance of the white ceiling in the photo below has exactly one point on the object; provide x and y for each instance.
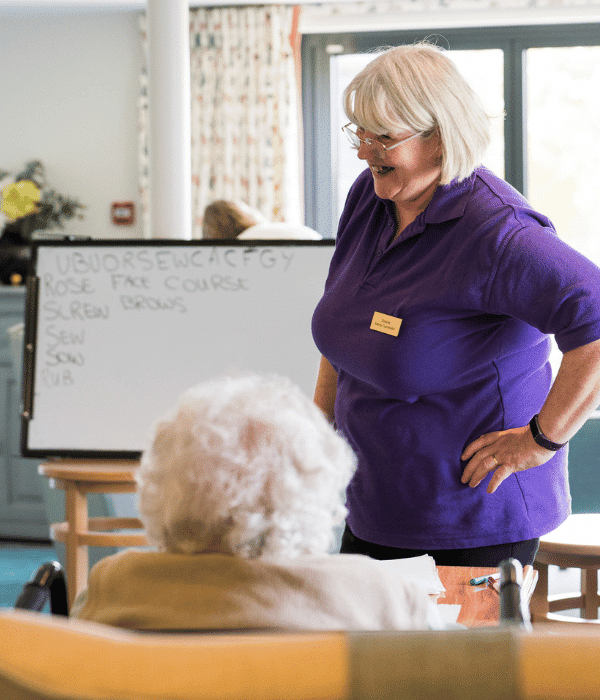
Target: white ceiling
(34, 5)
(120, 5)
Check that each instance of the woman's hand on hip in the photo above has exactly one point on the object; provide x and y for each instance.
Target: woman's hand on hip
(504, 453)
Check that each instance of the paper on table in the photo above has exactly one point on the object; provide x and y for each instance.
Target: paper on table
(421, 570)
(449, 613)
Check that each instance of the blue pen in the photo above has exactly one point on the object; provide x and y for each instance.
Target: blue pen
(483, 579)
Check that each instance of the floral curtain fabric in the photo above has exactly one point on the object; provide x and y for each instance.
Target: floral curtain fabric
(143, 136)
(244, 102)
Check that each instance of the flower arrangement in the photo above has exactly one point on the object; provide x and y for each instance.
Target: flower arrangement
(28, 205)
(19, 199)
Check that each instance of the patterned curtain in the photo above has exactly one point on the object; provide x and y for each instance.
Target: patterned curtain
(143, 136)
(245, 122)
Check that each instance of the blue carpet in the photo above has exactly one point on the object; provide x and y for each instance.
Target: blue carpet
(17, 566)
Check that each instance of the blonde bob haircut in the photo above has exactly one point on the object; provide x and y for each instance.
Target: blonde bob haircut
(247, 466)
(418, 88)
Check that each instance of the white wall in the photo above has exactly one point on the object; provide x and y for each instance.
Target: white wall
(69, 85)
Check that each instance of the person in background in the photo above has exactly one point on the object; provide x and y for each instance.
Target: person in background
(225, 219)
(240, 489)
(279, 230)
(443, 292)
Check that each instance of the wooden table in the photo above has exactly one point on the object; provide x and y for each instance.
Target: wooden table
(78, 478)
(480, 605)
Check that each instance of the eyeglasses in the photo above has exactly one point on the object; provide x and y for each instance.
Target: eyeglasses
(378, 148)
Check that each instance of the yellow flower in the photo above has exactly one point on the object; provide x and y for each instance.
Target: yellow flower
(19, 198)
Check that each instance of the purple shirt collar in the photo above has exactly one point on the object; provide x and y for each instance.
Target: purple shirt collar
(448, 202)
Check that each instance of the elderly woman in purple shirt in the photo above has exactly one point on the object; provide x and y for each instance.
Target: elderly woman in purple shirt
(443, 292)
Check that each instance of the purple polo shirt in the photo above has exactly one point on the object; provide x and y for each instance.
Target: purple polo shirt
(479, 280)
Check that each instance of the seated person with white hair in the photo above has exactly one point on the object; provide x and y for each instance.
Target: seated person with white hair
(240, 490)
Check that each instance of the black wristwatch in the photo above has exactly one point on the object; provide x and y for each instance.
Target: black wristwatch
(540, 438)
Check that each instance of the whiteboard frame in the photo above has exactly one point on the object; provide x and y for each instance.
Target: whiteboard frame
(32, 322)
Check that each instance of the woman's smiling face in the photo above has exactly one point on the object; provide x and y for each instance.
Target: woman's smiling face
(406, 174)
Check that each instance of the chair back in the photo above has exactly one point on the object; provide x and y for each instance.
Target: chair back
(44, 657)
(47, 584)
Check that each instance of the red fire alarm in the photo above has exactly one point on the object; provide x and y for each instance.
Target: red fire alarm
(122, 213)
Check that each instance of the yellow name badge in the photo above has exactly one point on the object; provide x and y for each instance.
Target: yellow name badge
(386, 324)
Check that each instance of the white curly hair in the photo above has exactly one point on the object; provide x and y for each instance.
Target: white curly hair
(247, 466)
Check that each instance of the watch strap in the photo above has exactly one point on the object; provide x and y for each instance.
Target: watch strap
(540, 438)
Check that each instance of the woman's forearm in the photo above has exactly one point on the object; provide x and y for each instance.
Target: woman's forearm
(574, 394)
(326, 389)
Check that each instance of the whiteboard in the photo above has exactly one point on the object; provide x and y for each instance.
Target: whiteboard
(116, 330)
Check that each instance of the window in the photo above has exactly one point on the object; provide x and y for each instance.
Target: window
(545, 78)
(563, 145)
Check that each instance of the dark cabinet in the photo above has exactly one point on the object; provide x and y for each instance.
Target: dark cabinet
(22, 509)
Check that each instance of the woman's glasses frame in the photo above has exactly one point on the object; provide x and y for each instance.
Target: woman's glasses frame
(375, 145)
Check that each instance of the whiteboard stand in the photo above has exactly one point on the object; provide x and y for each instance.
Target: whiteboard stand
(77, 478)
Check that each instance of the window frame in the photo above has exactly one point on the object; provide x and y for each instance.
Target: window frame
(319, 192)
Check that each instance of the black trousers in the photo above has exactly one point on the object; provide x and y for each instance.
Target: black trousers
(524, 552)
